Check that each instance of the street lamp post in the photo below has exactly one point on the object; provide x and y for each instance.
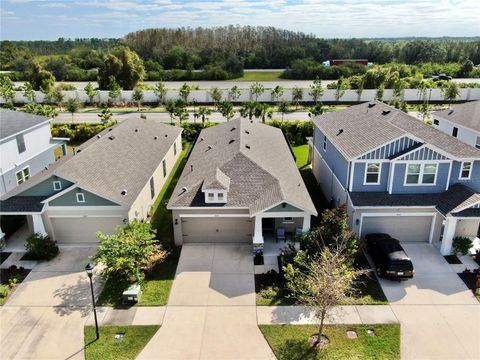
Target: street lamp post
(89, 271)
(194, 111)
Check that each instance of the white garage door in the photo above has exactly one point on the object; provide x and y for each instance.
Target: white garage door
(220, 230)
(83, 229)
(403, 228)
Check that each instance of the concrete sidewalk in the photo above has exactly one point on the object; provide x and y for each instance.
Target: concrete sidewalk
(301, 315)
(138, 315)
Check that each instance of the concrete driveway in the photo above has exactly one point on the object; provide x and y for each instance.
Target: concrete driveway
(45, 316)
(211, 310)
(439, 316)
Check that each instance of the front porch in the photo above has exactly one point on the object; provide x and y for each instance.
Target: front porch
(455, 226)
(16, 233)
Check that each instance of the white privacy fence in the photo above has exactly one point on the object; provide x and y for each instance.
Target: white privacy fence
(203, 96)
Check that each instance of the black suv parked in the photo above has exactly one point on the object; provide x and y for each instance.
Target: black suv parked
(389, 257)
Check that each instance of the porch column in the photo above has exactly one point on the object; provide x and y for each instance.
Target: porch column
(448, 235)
(38, 226)
(258, 237)
(64, 149)
(306, 223)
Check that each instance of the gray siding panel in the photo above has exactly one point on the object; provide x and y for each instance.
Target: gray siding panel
(334, 159)
(473, 183)
(45, 188)
(359, 177)
(399, 178)
(70, 199)
(390, 149)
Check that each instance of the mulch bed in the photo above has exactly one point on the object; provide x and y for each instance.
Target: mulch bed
(470, 279)
(452, 259)
(4, 255)
(5, 274)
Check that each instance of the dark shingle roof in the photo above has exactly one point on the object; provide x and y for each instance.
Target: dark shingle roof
(467, 115)
(452, 201)
(22, 204)
(361, 128)
(121, 158)
(14, 122)
(257, 160)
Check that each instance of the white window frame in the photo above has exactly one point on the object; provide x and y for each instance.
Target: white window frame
(469, 172)
(421, 173)
(366, 173)
(164, 168)
(211, 196)
(222, 195)
(324, 143)
(215, 196)
(80, 197)
(24, 146)
(174, 148)
(22, 172)
(57, 185)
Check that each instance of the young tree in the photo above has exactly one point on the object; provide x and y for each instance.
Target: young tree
(234, 93)
(7, 92)
(297, 96)
(127, 254)
(124, 65)
(248, 109)
(171, 108)
(263, 111)
(181, 111)
(105, 115)
(28, 92)
(184, 92)
(284, 107)
(276, 93)
(257, 89)
(114, 89)
(91, 92)
(450, 92)
(226, 109)
(56, 96)
(72, 105)
(380, 92)
(160, 91)
(316, 90)
(340, 89)
(360, 88)
(137, 96)
(322, 282)
(216, 96)
(204, 112)
(41, 79)
(317, 109)
(41, 109)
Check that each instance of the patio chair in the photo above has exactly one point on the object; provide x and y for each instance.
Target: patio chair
(298, 233)
(280, 234)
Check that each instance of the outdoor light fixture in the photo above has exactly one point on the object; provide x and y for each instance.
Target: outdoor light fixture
(176, 221)
(357, 222)
(89, 270)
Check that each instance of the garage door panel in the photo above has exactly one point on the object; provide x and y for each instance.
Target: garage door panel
(403, 228)
(224, 230)
(84, 229)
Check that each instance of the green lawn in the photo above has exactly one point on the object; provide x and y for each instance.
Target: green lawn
(107, 348)
(260, 76)
(290, 342)
(155, 287)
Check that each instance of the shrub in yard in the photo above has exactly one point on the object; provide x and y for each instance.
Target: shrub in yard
(462, 244)
(14, 280)
(4, 291)
(41, 247)
(129, 253)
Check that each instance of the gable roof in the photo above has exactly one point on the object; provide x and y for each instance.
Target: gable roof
(361, 128)
(14, 122)
(257, 160)
(122, 157)
(467, 115)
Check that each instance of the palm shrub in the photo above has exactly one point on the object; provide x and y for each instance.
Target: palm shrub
(462, 244)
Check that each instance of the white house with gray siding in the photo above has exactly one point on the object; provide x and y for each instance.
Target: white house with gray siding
(397, 175)
(26, 147)
(240, 185)
(111, 179)
(461, 121)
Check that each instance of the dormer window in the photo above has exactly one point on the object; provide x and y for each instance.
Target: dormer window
(220, 196)
(215, 196)
(211, 196)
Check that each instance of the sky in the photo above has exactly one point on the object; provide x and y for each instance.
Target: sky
(51, 19)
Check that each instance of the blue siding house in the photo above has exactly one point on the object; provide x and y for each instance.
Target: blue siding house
(397, 175)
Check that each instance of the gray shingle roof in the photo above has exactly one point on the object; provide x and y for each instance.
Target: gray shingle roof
(120, 159)
(452, 201)
(22, 204)
(257, 160)
(14, 122)
(467, 115)
(361, 128)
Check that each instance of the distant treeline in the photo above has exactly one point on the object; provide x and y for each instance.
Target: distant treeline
(223, 52)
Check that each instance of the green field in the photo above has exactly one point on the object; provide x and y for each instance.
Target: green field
(260, 76)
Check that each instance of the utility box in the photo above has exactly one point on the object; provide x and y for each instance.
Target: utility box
(132, 294)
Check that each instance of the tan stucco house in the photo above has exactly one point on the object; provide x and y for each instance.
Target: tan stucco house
(239, 185)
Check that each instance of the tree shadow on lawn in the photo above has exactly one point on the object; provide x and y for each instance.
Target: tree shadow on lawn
(297, 350)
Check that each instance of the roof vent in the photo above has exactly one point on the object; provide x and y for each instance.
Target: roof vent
(231, 141)
(110, 129)
(233, 128)
(99, 136)
(209, 147)
(155, 138)
(124, 192)
(79, 151)
(191, 167)
(340, 132)
(247, 146)
(143, 116)
(370, 105)
(184, 189)
(111, 137)
(386, 112)
(450, 112)
(247, 132)
(136, 129)
(201, 139)
(166, 135)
